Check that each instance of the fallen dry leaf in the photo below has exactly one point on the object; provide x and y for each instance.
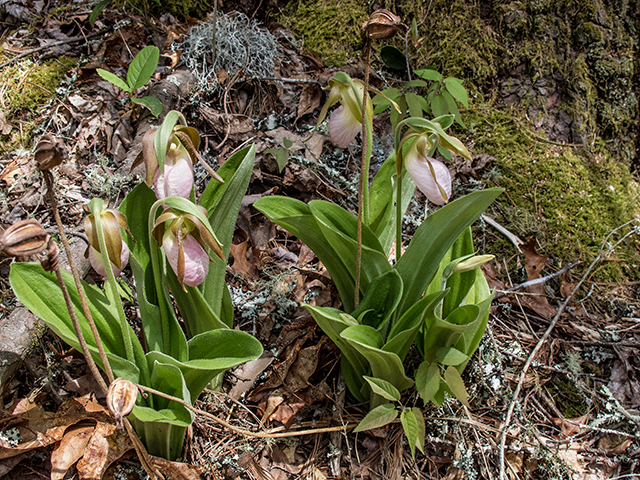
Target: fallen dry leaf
(70, 449)
(310, 99)
(247, 373)
(534, 265)
(177, 470)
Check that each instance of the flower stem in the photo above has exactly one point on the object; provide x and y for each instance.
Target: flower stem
(363, 186)
(48, 178)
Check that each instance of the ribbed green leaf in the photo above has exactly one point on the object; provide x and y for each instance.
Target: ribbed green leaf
(433, 238)
(456, 385)
(152, 103)
(143, 67)
(383, 388)
(378, 417)
(110, 77)
(427, 380)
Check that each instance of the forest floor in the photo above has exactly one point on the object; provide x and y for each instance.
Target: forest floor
(554, 387)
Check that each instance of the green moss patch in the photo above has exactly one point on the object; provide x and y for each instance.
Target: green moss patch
(329, 28)
(28, 87)
(568, 198)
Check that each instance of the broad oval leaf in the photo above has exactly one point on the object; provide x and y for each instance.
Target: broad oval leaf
(393, 58)
(427, 380)
(383, 388)
(456, 385)
(457, 91)
(411, 429)
(110, 77)
(152, 103)
(429, 74)
(378, 417)
(439, 105)
(450, 356)
(143, 67)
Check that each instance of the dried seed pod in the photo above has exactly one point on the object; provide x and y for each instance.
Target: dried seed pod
(49, 152)
(121, 398)
(24, 238)
(53, 254)
(382, 25)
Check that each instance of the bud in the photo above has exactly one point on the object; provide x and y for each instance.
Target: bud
(382, 25)
(121, 398)
(110, 221)
(49, 152)
(24, 238)
(472, 263)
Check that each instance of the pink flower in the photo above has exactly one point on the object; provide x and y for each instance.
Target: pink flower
(431, 176)
(343, 126)
(178, 174)
(95, 258)
(186, 252)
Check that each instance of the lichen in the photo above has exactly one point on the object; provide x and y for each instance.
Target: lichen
(329, 28)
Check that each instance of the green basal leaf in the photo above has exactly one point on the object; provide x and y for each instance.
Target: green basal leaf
(152, 103)
(296, 217)
(222, 201)
(385, 365)
(143, 67)
(393, 58)
(457, 91)
(456, 385)
(378, 417)
(380, 302)
(450, 356)
(429, 74)
(446, 333)
(333, 322)
(383, 388)
(110, 77)
(404, 331)
(411, 428)
(39, 292)
(97, 10)
(427, 380)
(210, 354)
(432, 239)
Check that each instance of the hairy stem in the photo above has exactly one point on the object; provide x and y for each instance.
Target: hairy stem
(363, 186)
(48, 178)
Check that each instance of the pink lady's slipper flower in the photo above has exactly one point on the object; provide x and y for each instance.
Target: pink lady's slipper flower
(110, 223)
(346, 120)
(175, 178)
(184, 238)
(431, 176)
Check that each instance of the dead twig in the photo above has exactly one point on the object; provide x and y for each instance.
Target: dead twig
(502, 293)
(543, 339)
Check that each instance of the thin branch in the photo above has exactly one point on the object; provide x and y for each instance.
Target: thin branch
(536, 281)
(563, 306)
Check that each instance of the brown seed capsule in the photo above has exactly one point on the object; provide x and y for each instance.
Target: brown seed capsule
(382, 25)
(49, 152)
(53, 255)
(24, 238)
(121, 398)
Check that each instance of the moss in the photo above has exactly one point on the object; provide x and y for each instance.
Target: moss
(28, 87)
(577, 196)
(329, 28)
(567, 397)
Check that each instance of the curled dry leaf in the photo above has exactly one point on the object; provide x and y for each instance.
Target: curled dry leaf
(49, 152)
